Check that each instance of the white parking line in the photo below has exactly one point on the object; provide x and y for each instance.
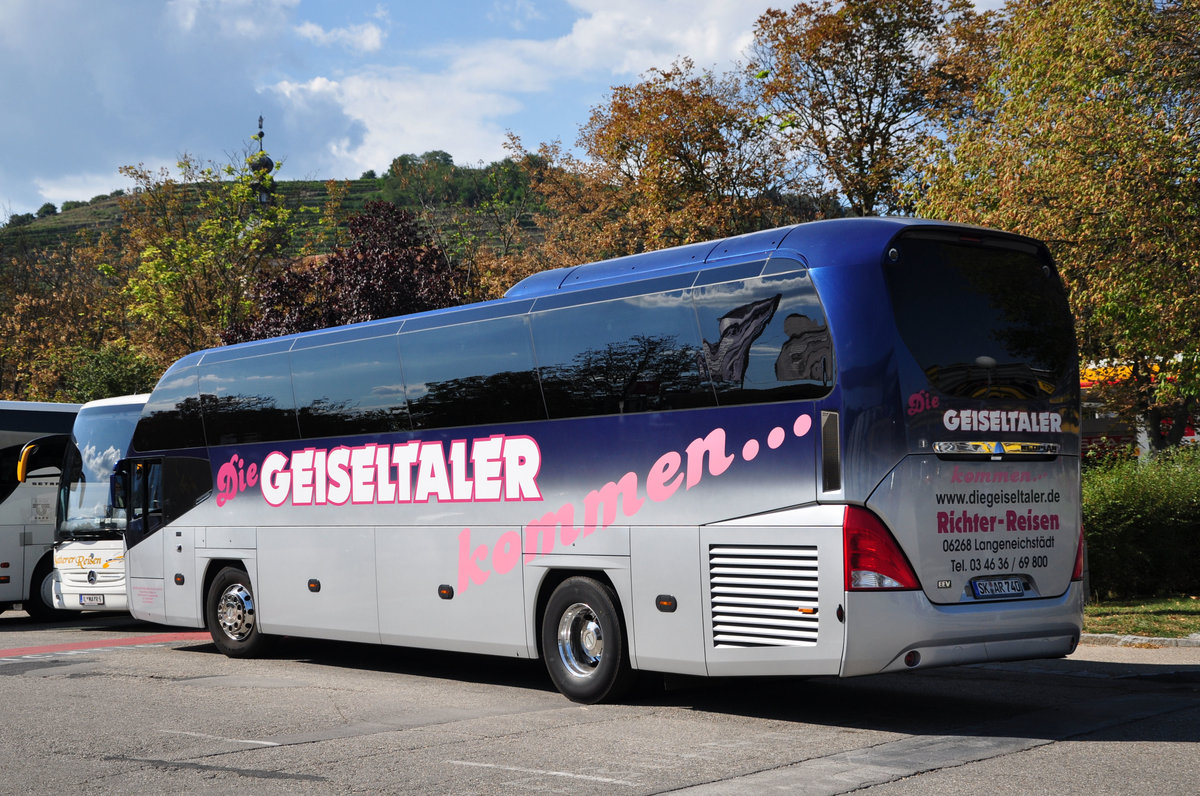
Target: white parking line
(219, 738)
(542, 772)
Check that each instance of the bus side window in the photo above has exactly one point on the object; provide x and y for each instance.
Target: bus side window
(471, 374)
(766, 339)
(621, 356)
(248, 400)
(349, 388)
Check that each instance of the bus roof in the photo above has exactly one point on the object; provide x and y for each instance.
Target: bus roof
(818, 244)
(798, 238)
(21, 421)
(37, 406)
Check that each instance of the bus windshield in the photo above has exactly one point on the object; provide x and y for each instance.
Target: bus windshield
(983, 322)
(84, 506)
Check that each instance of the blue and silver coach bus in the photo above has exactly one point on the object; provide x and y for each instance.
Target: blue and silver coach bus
(838, 448)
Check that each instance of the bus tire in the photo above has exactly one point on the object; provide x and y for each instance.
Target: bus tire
(583, 642)
(232, 618)
(40, 605)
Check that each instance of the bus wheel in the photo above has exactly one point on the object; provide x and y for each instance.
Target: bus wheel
(583, 642)
(231, 615)
(40, 605)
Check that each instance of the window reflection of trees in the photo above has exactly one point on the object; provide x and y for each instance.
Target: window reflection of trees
(1034, 324)
(769, 343)
(646, 373)
(172, 420)
(506, 397)
(237, 418)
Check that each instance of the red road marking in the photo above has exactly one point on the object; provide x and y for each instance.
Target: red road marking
(161, 638)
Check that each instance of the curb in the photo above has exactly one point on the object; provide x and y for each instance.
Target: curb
(1114, 640)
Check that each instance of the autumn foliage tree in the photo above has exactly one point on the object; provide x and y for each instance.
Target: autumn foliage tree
(857, 85)
(679, 157)
(388, 267)
(1090, 140)
(53, 308)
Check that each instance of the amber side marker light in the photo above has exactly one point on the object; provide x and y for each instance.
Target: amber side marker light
(666, 603)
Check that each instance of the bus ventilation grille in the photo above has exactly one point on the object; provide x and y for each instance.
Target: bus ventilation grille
(763, 596)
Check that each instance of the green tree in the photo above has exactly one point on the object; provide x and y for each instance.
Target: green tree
(1090, 139)
(476, 215)
(115, 368)
(857, 85)
(200, 240)
(47, 210)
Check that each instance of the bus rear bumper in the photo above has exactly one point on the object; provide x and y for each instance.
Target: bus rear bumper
(896, 631)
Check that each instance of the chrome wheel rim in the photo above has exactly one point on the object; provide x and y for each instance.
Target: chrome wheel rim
(235, 612)
(580, 640)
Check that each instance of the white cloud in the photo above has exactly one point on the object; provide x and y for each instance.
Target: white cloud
(99, 464)
(516, 14)
(474, 94)
(250, 19)
(79, 187)
(630, 36)
(396, 110)
(357, 38)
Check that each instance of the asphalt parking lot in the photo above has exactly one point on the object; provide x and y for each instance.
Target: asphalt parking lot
(111, 705)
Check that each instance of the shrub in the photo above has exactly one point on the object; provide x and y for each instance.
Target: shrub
(1142, 521)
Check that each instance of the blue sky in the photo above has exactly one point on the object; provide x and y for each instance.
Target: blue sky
(343, 85)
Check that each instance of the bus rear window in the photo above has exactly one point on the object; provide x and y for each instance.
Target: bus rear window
(982, 321)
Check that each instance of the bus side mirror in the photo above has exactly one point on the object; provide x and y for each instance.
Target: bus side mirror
(23, 461)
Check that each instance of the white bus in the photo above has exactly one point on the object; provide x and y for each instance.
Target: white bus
(89, 543)
(27, 504)
(839, 448)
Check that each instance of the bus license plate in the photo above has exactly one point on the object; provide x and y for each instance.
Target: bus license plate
(91, 599)
(998, 587)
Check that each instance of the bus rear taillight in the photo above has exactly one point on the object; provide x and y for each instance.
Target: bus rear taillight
(873, 559)
(1077, 574)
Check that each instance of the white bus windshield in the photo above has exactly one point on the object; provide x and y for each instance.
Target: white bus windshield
(84, 507)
